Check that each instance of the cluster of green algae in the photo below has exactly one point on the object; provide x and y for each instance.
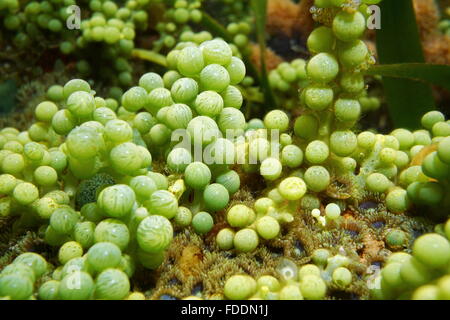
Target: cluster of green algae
(369, 220)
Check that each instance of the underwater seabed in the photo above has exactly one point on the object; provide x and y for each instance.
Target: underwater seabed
(219, 149)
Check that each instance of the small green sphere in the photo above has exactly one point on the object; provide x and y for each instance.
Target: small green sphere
(112, 284)
(313, 287)
(202, 222)
(114, 231)
(216, 197)
(240, 287)
(154, 234)
(342, 277)
(76, 286)
(323, 68)
(433, 250)
(224, 239)
(246, 240)
(103, 255)
(267, 227)
(69, 250)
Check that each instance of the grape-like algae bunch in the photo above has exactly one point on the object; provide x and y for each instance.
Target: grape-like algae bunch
(173, 150)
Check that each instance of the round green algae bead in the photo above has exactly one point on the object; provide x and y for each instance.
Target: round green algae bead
(291, 292)
(240, 287)
(160, 180)
(214, 77)
(317, 152)
(178, 159)
(398, 257)
(313, 287)
(414, 273)
(349, 26)
(114, 231)
(308, 269)
(396, 238)
(83, 233)
(343, 143)
(64, 219)
(103, 255)
(75, 85)
(230, 180)
(444, 150)
(347, 110)
(306, 127)
(397, 200)
(323, 68)
(83, 143)
(231, 121)
(19, 269)
(154, 234)
(184, 90)
(271, 169)
(240, 216)
(321, 40)
(224, 239)
(183, 218)
(216, 51)
(276, 120)
(332, 211)
(63, 122)
(209, 103)
(69, 250)
(76, 286)
(291, 156)
(112, 284)
(246, 240)
(203, 130)
(433, 167)
(270, 282)
(163, 203)
(136, 296)
(391, 275)
(202, 222)
(81, 104)
(49, 290)
(431, 118)
(318, 97)
(342, 277)
(25, 193)
(320, 256)
(427, 292)
(126, 158)
(317, 178)
(267, 227)
(118, 131)
(444, 287)
(377, 182)
(292, 188)
(150, 81)
(353, 54)
(216, 197)
(197, 175)
(433, 250)
(116, 201)
(15, 287)
(236, 69)
(232, 97)
(143, 186)
(190, 61)
(45, 176)
(45, 111)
